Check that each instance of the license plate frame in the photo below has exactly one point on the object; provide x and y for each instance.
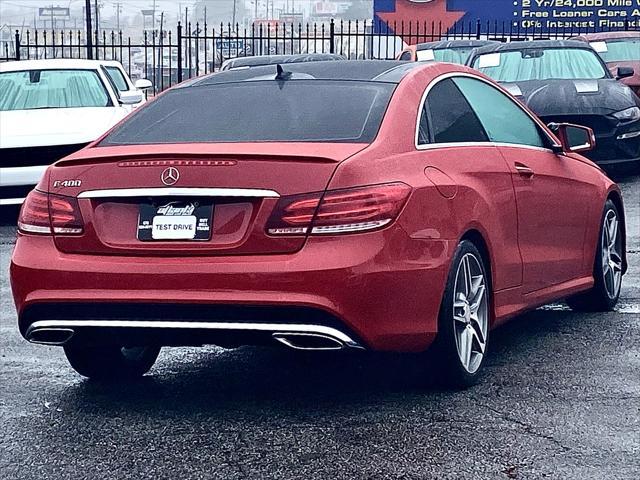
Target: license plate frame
(156, 221)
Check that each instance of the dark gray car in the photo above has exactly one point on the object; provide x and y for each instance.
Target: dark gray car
(566, 81)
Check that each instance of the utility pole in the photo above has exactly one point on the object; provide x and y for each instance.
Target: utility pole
(153, 26)
(97, 21)
(118, 7)
(87, 10)
(233, 18)
(52, 26)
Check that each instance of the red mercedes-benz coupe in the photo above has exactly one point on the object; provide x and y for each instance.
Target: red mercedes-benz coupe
(331, 205)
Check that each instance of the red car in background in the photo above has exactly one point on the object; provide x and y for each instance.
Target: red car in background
(618, 50)
(372, 205)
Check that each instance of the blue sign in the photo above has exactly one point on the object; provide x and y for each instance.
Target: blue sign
(230, 44)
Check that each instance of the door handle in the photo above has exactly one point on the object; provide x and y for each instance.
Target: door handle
(523, 170)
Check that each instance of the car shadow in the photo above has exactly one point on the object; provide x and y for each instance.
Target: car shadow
(214, 381)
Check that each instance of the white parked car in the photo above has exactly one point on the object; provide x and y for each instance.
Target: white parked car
(51, 108)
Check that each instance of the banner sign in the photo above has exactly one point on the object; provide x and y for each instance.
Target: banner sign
(55, 12)
(541, 15)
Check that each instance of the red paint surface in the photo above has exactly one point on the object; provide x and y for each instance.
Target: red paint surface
(540, 232)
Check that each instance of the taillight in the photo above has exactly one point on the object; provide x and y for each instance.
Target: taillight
(44, 213)
(339, 211)
(34, 214)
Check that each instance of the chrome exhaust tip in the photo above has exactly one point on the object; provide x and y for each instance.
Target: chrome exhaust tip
(308, 341)
(50, 336)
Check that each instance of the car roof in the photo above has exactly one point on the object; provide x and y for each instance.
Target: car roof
(388, 71)
(513, 46)
(444, 44)
(608, 35)
(253, 61)
(55, 63)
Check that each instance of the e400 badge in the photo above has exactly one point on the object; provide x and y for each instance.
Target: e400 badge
(67, 183)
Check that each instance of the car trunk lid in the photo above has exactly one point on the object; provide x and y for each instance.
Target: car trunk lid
(235, 186)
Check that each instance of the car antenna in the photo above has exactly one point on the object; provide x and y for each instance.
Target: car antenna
(281, 74)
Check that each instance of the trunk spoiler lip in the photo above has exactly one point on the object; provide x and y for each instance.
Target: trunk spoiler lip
(310, 152)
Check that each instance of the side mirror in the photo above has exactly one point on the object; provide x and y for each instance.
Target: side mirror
(143, 84)
(574, 138)
(130, 98)
(624, 72)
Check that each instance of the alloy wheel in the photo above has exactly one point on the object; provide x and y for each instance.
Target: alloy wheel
(611, 256)
(470, 312)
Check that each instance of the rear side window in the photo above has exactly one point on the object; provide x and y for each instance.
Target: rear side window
(502, 119)
(405, 56)
(451, 118)
(260, 111)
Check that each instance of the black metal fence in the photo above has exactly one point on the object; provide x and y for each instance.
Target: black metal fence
(166, 57)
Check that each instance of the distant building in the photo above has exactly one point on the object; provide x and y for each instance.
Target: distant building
(7, 39)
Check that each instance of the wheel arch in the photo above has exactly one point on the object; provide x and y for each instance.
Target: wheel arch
(615, 196)
(475, 236)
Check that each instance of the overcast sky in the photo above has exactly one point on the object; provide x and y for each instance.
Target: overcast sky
(20, 12)
(18, 8)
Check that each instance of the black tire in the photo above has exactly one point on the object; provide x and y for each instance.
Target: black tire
(111, 362)
(599, 298)
(449, 366)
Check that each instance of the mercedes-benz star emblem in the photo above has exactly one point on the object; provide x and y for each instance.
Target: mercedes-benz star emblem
(170, 176)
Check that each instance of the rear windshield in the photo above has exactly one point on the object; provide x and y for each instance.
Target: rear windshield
(452, 55)
(260, 111)
(541, 64)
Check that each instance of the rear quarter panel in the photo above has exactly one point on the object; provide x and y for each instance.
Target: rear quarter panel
(484, 200)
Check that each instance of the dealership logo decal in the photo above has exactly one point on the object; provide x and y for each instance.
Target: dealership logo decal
(170, 176)
(171, 209)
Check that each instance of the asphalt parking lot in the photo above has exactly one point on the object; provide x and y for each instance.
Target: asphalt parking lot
(560, 399)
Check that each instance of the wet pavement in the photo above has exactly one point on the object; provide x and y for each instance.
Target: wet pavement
(560, 398)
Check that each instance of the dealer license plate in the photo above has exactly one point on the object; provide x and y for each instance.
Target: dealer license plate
(178, 220)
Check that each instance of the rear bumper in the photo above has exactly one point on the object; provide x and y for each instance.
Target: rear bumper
(382, 290)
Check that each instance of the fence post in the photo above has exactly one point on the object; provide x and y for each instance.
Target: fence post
(332, 37)
(478, 29)
(17, 45)
(179, 52)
